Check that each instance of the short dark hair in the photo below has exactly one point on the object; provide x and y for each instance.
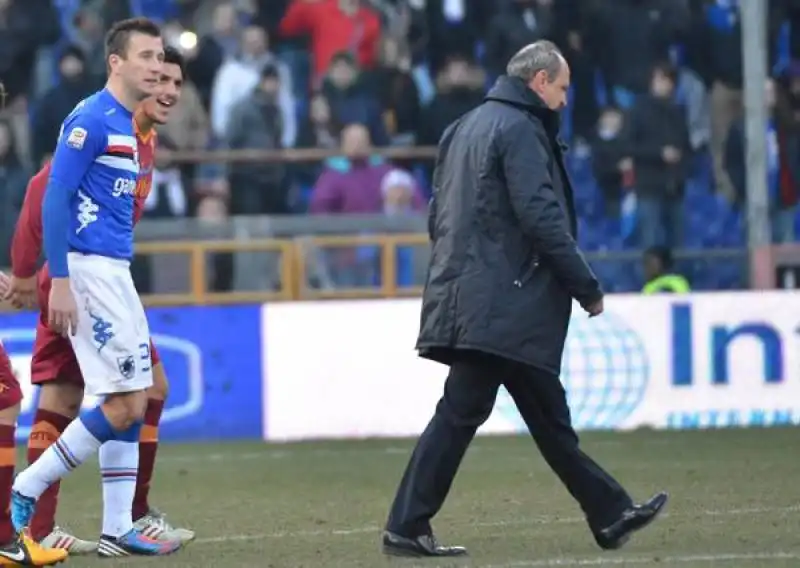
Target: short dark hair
(119, 35)
(663, 254)
(175, 57)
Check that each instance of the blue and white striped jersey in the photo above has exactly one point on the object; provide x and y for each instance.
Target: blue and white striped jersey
(96, 161)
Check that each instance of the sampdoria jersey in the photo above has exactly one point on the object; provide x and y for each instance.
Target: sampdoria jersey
(26, 246)
(96, 156)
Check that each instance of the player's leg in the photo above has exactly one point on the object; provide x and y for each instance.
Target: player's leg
(111, 343)
(55, 371)
(15, 550)
(148, 520)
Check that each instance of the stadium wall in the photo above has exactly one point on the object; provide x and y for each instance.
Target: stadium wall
(348, 369)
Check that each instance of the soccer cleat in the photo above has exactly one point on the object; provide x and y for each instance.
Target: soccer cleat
(154, 525)
(22, 509)
(24, 551)
(61, 539)
(133, 543)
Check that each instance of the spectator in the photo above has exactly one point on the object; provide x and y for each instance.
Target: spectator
(221, 44)
(351, 99)
(456, 26)
(13, 181)
(352, 183)
(783, 164)
(89, 37)
(25, 26)
(637, 34)
(167, 198)
(318, 130)
(658, 141)
(716, 53)
(691, 93)
(72, 87)
(612, 167)
(257, 124)
(397, 92)
(517, 24)
(659, 275)
(334, 26)
(238, 76)
(581, 48)
(459, 90)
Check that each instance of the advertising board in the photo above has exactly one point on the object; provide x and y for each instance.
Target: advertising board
(348, 368)
(212, 357)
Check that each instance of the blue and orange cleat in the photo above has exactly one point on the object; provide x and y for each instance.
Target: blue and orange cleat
(22, 509)
(134, 543)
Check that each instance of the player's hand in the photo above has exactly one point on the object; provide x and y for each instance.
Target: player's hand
(62, 315)
(21, 292)
(595, 309)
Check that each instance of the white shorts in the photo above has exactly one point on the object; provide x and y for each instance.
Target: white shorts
(112, 341)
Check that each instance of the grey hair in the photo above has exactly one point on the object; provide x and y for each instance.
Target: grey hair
(538, 56)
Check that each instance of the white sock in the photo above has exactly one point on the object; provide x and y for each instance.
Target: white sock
(119, 462)
(68, 452)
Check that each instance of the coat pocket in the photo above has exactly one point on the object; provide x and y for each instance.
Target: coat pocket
(527, 271)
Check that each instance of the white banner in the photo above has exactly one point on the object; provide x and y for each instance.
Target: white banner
(349, 369)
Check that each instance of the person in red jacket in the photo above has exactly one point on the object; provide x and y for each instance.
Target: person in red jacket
(334, 26)
(54, 366)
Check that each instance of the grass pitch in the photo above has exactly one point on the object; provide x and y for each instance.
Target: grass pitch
(734, 502)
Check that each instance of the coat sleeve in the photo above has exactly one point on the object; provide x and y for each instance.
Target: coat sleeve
(541, 217)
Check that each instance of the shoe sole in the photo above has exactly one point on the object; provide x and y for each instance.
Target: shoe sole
(402, 552)
(406, 553)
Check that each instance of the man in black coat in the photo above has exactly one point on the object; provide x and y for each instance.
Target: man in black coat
(504, 270)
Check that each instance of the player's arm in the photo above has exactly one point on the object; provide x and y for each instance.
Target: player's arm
(82, 140)
(26, 244)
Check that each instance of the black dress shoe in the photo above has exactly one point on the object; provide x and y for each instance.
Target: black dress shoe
(633, 518)
(419, 547)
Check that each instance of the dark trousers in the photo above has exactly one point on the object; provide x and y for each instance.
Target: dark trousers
(469, 396)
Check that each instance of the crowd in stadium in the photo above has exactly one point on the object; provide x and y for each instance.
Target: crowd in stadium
(656, 139)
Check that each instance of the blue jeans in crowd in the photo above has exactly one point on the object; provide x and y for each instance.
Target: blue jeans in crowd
(660, 221)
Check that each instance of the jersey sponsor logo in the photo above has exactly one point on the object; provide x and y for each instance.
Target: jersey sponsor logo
(87, 212)
(77, 138)
(124, 186)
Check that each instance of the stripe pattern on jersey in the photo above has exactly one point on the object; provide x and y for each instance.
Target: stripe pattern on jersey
(120, 153)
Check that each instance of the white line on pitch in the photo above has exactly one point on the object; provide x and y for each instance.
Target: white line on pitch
(655, 559)
(530, 521)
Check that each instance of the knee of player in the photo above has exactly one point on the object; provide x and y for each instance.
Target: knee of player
(124, 410)
(9, 415)
(61, 398)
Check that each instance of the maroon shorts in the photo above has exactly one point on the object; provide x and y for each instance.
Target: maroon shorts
(53, 358)
(10, 391)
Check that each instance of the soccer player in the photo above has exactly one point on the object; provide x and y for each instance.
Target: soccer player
(87, 221)
(15, 550)
(54, 367)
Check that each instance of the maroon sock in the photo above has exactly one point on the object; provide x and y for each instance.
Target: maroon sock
(148, 446)
(47, 427)
(7, 460)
